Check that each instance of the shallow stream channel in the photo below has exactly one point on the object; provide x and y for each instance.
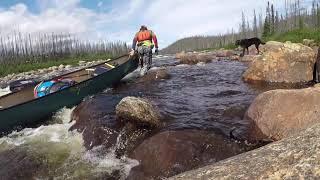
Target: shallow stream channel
(210, 98)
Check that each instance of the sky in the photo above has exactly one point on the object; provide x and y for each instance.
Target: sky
(119, 20)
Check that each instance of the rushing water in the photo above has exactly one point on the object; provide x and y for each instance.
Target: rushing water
(210, 97)
(52, 151)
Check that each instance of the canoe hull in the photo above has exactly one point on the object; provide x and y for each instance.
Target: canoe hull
(34, 111)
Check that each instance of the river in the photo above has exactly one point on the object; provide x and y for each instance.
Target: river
(209, 97)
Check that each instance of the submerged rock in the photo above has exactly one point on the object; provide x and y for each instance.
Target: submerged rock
(279, 114)
(282, 62)
(18, 164)
(172, 152)
(138, 111)
(296, 157)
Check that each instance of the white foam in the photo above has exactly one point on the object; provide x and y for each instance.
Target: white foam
(56, 140)
(183, 65)
(154, 68)
(5, 91)
(64, 115)
(44, 134)
(108, 162)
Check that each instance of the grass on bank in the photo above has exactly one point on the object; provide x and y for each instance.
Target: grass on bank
(227, 47)
(6, 69)
(295, 36)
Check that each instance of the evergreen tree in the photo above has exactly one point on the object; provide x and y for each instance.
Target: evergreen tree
(255, 25)
(268, 13)
(313, 14)
(277, 22)
(243, 26)
(318, 16)
(272, 20)
(260, 24)
(248, 29)
(267, 24)
(266, 28)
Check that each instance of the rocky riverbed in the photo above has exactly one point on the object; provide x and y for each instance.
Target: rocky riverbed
(195, 110)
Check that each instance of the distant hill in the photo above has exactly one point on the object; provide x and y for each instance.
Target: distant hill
(200, 43)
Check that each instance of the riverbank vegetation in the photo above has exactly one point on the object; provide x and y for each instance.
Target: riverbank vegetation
(24, 52)
(295, 22)
(296, 36)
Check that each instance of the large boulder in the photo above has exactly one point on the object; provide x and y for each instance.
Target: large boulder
(180, 55)
(94, 120)
(155, 75)
(296, 157)
(278, 114)
(225, 53)
(172, 152)
(282, 62)
(194, 58)
(138, 111)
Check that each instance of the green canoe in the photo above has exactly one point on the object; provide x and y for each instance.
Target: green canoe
(21, 109)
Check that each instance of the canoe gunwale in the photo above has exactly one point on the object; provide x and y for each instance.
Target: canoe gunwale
(68, 88)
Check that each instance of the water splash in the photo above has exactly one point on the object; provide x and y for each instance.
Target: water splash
(61, 153)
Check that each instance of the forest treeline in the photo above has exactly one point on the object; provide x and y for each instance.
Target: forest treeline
(296, 15)
(18, 48)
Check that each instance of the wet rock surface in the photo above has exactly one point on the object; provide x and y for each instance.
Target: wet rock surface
(292, 158)
(282, 62)
(247, 58)
(194, 58)
(93, 120)
(157, 74)
(206, 56)
(171, 152)
(99, 124)
(279, 114)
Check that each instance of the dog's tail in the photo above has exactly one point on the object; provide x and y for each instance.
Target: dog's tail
(263, 43)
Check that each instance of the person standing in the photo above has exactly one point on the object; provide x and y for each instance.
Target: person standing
(145, 40)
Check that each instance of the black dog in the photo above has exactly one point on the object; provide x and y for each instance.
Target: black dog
(246, 43)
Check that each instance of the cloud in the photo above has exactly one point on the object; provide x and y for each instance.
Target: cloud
(184, 18)
(120, 19)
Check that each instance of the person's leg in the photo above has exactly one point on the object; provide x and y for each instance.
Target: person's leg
(146, 56)
(149, 58)
(141, 55)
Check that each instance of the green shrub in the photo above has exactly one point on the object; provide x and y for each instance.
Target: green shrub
(296, 36)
